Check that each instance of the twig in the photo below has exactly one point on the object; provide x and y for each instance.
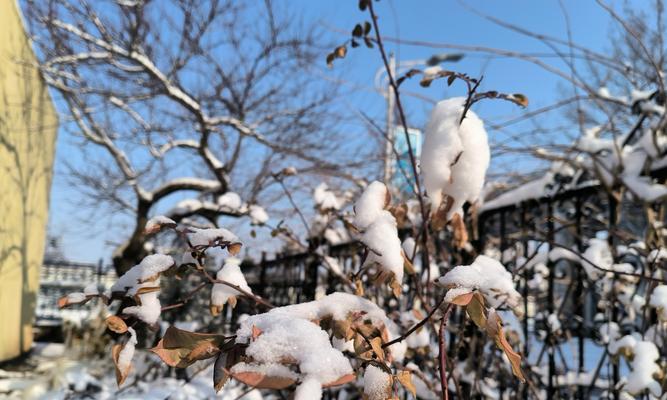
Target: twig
(443, 353)
(186, 298)
(415, 326)
(249, 295)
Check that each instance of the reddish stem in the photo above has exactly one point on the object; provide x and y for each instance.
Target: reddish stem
(443, 353)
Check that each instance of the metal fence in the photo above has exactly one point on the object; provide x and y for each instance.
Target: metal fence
(573, 363)
(59, 278)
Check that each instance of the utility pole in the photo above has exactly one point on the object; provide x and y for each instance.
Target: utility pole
(391, 101)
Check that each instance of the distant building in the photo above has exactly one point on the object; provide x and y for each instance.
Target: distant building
(28, 125)
(402, 176)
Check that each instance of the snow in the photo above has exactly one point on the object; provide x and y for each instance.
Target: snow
(154, 224)
(126, 354)
(657, 255)
(336, 236)
(659, 301)
(91, 290)
(432, 72)
(148, 310)
(210, 237)
(454, 158)
(76, 297)
(553, 322)
(486, 275)
(325, 199)
(230, 272)
(623, 163)
(597, 253)
(288, 337)
(334, 265)
(273, 369)
(542, 186)
(258, 215)
(382, 238)
(337, 305)
(379, 230)
(377, 383)
(188, 258)
(230, 201)
(643, 367)
(421, 337)
(626, 342)
(409, 246)
(370, 204)
(144, 274)
(309, 389)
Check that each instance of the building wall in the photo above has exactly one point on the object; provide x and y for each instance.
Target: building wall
(28, 125)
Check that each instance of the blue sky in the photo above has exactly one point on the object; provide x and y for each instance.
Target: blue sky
(87, 238)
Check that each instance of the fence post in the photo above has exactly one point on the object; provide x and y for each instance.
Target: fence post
(579, 293)
(550, 300)
(613, 214)
(262, 275)
(524, 288)
(99, 271)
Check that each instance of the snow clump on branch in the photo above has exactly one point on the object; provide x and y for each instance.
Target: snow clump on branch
(454, 158)
(221, 293)
(380, 233)
(291, 344)
(486, 275)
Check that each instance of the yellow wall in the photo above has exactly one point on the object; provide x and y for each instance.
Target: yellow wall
(28, 124)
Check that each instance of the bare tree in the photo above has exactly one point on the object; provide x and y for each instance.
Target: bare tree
(184, 96)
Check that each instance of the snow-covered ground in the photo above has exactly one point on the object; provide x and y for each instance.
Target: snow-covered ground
(49, 373)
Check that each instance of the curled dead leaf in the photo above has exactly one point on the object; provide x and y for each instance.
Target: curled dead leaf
(69, 300)
(460, 231)
(476, 310)
(121, 374)
(405, 379)
(358, 287)
(116, 324)
(463, 300)
(341, 381)
(520, 99)
(407, 265)
(234, 248)
(439, 218)
(220, 376)
(179, 348)
(261, 381)
(376, 345)
(495, 329)
(255, 332)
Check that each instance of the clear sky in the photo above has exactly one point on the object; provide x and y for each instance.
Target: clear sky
(87, 238)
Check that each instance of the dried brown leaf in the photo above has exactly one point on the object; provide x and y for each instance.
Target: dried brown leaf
(376, 345)
(234, 248)
(341, 381)
(261, 381)
(476, 310)
(121, 375)
(405, 379)
(116, 324)
(463, 300)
